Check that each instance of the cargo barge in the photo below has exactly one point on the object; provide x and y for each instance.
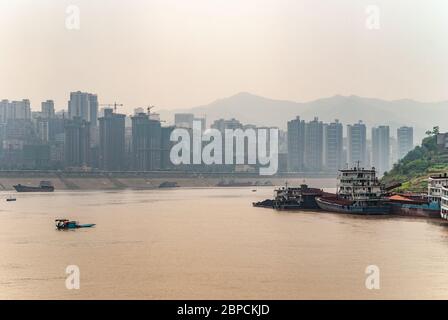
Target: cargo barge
(292, 198)
(360, 192)
(412, 205)
(44, 186)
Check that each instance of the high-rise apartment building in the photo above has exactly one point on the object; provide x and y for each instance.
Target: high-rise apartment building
(146, 143)
(381, 149)
(15, 110)
(112, 141)
(47, 109)
(83, 105)
(184, 120)
(357, 144)
(314, 145)
(93, 110)
(296, 145)
(405, 141)
(77, 143)
(333, 146)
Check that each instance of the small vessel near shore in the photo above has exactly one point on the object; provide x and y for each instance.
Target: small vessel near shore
(44, 186)
(292, 198)
(233, 183)
(65, 224)
(11, 199)
(359, 191)
(168, 184)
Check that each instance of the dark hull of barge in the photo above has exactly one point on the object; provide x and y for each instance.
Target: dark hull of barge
(333, 204)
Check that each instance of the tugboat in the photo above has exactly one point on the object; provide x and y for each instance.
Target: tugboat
(358, 192)
(292, 198)
(44, 186)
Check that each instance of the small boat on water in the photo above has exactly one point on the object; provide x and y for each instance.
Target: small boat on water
(10, 199)
(168, 185)
(233, 183)
(64, 224)
(44, 186)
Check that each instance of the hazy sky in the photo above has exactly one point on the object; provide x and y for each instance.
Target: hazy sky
(183, 53)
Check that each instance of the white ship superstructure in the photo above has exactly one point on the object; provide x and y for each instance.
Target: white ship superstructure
(359, 191)
(359, 184)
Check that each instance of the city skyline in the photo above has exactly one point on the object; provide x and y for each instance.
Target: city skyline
(243, 151)
(46, 139)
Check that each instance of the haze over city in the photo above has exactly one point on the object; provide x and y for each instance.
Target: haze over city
(177, 54)
(223, 149)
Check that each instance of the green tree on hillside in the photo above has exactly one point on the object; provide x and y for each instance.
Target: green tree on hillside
(435, 131)
(419, 163)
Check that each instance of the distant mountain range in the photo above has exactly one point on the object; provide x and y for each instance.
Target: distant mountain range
(253, 109)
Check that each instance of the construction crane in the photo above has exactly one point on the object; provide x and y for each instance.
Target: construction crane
(115, 105)
(149, 108)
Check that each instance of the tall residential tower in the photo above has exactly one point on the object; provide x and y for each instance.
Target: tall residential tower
(381, 149)
(356, 144)
(111, 134)
(296, 145)
(405, 141)
(333, 146)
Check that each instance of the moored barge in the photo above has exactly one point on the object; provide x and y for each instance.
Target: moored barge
(44, 186)
(293, 198)
(414, 205)
(359, 191)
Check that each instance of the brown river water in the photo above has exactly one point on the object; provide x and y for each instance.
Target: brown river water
(211, 244)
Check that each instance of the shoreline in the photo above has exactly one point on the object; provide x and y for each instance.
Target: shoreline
(150, 181)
